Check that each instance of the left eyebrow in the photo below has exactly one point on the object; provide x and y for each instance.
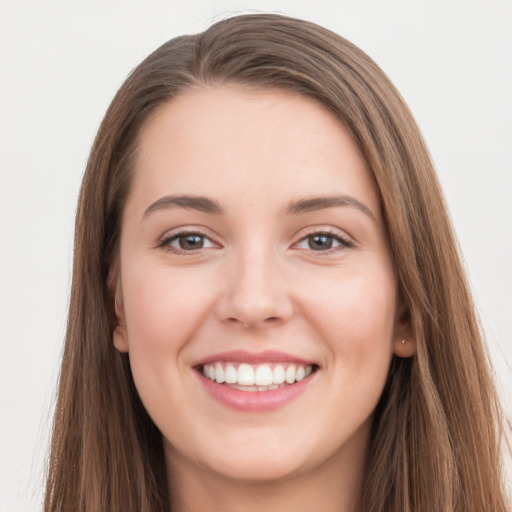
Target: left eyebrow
(321, 203)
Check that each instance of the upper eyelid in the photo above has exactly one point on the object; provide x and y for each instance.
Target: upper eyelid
(181, 231)
(343, 242)
(325, 230)
(170, 236)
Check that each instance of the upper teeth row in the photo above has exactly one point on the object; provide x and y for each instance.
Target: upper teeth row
(260, 375)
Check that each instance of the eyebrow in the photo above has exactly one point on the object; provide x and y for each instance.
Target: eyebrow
(199, 203)
(206, 205)
(321, 203)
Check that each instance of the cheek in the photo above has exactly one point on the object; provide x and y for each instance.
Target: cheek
(163, 310)
(356, 319)
(162, 307)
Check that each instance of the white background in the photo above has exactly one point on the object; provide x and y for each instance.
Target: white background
(61, 63)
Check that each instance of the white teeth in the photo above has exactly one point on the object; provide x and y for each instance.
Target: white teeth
(290, 374)
(278, 375)
(300, 373)
(263, 375)
(231, 374)
(258, 377)
(246, 375)
(219, 373)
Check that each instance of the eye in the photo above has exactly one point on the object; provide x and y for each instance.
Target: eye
(186, 242)
(322, 242)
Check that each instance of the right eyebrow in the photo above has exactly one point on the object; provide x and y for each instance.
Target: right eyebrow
(199, 203)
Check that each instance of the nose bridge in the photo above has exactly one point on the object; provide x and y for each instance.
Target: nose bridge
(256, 291)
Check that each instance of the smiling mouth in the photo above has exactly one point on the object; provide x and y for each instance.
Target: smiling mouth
(260, 377)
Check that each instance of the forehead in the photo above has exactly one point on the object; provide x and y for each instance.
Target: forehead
(225, 140)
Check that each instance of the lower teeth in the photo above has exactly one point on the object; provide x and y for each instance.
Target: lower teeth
(256, 388)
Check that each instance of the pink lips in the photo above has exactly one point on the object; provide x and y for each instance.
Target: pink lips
(257, 401)
(242, 356)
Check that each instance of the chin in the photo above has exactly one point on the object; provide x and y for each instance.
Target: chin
(262, 467)
(256, 457)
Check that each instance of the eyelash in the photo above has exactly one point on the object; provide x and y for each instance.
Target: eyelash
(165, 243)
(343, 243)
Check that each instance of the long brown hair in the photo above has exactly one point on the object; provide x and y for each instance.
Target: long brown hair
(435, 443)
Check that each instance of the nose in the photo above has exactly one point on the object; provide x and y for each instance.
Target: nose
(255, 292)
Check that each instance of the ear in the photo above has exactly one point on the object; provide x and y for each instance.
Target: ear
(404, 343)
(120, 335)
(120, 338)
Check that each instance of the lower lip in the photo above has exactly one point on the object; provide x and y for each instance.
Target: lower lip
(255, 401)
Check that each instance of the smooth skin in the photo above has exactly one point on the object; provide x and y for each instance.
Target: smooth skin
(257, 267)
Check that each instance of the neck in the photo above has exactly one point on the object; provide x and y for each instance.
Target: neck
(333, 486)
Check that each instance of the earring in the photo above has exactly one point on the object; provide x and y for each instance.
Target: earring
(403, 341)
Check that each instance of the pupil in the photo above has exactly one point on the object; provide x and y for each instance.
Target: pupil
(191, 242)
(319, 242)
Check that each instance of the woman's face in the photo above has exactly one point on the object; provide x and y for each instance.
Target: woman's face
(253, 251)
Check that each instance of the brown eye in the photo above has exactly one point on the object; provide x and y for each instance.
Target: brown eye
(320, 242)
(323, 242)
(191, 242)
(186, 242)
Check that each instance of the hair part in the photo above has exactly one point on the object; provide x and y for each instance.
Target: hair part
(437, 428)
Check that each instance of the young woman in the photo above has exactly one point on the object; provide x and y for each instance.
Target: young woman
(268, 309)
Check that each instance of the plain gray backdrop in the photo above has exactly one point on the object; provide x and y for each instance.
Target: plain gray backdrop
(61, 63)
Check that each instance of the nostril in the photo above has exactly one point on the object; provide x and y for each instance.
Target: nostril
(270, 319)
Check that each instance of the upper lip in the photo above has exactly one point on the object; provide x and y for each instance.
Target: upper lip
(243, 356)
